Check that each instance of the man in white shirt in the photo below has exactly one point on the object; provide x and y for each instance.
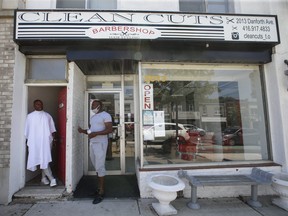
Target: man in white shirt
(40, 134)
(100, 127)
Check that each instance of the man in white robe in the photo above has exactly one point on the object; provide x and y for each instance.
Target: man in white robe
(40, 133)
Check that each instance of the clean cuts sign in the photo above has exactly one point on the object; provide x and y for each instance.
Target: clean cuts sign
(53, 25)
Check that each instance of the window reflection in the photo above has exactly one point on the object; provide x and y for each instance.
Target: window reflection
(210, 114)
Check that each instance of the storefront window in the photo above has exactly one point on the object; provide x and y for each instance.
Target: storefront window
(204, 6)
(88, 4)
(70, 4)
(202, 113)
(102, 4)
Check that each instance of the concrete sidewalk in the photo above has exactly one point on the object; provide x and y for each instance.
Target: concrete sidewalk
(134, 207)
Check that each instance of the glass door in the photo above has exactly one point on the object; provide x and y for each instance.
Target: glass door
(118, 96)
(113, 104)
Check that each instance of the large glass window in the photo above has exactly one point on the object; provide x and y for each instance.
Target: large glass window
(204, 6)
(70, 4)
(202, 113)
(102, 4)
(88, 4)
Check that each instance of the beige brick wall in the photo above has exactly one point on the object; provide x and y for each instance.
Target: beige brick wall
(7, 61)
(75, 116)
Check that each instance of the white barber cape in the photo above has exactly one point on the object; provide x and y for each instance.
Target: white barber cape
(39, 127)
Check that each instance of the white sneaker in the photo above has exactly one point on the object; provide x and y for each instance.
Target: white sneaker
(53, 183)
(44, 181)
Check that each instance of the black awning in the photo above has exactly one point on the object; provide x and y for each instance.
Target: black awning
(73, 55)
(89, 59)
(172, 50)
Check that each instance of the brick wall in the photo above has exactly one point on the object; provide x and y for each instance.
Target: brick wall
(75, 116)
(78, 116)
(7, 60)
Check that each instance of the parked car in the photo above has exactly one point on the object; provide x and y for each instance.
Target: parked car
(230, 130)
(240, 136)
(164, 131)
(193, 128)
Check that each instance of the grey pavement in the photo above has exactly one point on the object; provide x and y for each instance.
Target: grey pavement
(134, 207)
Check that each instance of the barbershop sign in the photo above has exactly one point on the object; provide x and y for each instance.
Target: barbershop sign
(82, 25)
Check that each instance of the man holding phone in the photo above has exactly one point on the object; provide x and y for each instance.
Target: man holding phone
(99, 128)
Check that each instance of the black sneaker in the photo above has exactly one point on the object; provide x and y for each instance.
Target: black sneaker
(98, 199)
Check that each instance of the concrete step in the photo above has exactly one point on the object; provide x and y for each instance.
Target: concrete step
(40, 193)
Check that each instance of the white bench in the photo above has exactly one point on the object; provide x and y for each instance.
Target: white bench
(257, 177)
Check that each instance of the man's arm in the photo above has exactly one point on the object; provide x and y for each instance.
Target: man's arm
(54, 137)
(80, 130)
(108, 129)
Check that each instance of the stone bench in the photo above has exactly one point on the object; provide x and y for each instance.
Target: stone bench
(257, 177)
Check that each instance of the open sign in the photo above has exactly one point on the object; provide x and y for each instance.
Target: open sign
(148, 100)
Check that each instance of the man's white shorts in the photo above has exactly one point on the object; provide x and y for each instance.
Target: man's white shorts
(98, 155)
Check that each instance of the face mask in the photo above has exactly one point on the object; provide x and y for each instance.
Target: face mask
(96, 110)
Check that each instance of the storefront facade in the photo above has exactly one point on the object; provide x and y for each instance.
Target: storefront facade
(193, 91)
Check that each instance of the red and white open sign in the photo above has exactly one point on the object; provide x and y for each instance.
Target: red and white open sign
(148, 101)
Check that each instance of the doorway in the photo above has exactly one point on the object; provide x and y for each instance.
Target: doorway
(120, 157)
(50, 96)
